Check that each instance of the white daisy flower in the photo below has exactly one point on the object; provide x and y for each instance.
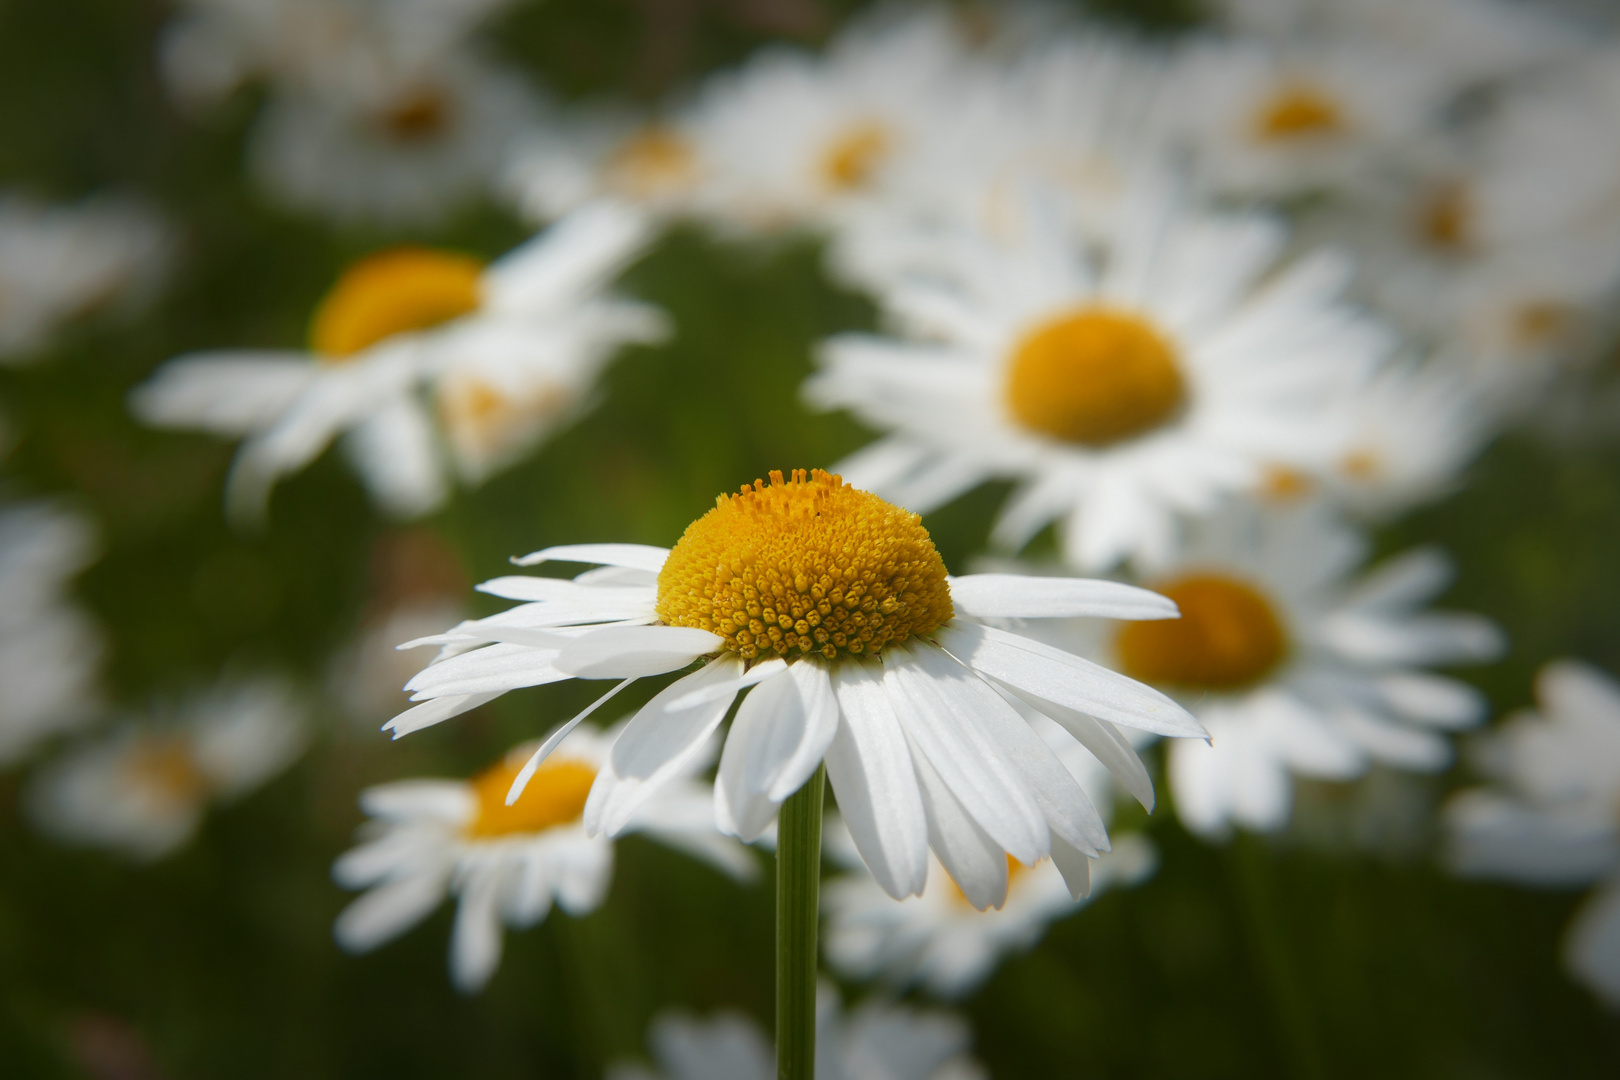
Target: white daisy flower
(1123, 389)
(793, 139)
(60, 263)
(835, 607)
(1081, 116)
(143, 790)
(939, 939)
(505, 864)
(49, 649)
(406, 152)
(508, 351)
(1274, 121)
(1295, 665)
(874, 1041)
(1550, 817)
(1471, 40)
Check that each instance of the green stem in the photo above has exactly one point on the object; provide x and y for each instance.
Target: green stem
(798, 904)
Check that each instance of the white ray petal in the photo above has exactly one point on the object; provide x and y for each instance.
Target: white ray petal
(436, 711)
(1019, 596)
(544, 750)
(869, 765)
(634, 556)
(619, 652)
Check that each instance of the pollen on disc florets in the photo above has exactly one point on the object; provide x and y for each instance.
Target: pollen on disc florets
(803, 566)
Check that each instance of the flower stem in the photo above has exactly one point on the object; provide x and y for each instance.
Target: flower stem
(798, 903)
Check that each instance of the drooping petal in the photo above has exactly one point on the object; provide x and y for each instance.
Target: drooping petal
(1104, 741)
(493, 669)
(435, 711)
(657, 745)
(389, 910)
(973, 858)
(870, 768)
(475, 938)
(781, 732)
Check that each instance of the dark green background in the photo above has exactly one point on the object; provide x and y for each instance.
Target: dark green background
(1335, 951)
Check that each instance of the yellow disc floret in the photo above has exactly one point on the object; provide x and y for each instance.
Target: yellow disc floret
(805, 566)
(1299, 111)
(555, 796)
(854, 156)
(1095, 376)
(393, 292)
(1228, 636)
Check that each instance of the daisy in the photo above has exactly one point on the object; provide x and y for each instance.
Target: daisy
(1473, 41)
(406, 151)
(834, 606)
(875, 1041)
(940, 940)
(508, 352)
(1123, 389)
(61, 263)
(1296, 665)
(1080, 115)
(794, 139)
(505, 864)
(1323, 114)
(49, 649)
(375, 110)
(1549, 818)
(143, 790)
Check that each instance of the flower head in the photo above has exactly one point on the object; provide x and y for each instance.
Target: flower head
(871, 660)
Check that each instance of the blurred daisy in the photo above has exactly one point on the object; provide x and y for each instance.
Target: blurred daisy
(875, 1041)
(49, 649)
(61, 263)
(1549, 819)
(143, 790)
(1295, 665)
(376, 110)
(795, 139)
(409, 150)
(508, 351)
(1471, 40)
(1080, 115)
(939, 939)
(1282, 121)
(505, 864)
(834, 606)
(1123, 390)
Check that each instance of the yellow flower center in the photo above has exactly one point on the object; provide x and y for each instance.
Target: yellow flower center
(1444, 218)
(1298, 111)
(166, 767)
(1228, 636)
(417, 117)
(393, 292)
(808, 565)
(650, 162)
(1540, 322)
(1279, 483)
(555, 796)
(957, 896)
(852, 158)
(1095, 376)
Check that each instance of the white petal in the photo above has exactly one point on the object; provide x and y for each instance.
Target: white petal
(448, 802)
(1066, 679)
(777, 739)
(553, 740)
(436, 711)
(933, 705)
(1059, 796)
(1018, 596)
(1104, 741)
(624, 652)
(1592, 950)
(656, 746)
(1075, 867)
(869, 765)
(1433, 699)
(635, 556)
(388, 911)
(493, 669)
(475, 939)
(973, 858)
(758, 673)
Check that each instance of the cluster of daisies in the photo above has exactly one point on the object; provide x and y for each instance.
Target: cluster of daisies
(1210, 306)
